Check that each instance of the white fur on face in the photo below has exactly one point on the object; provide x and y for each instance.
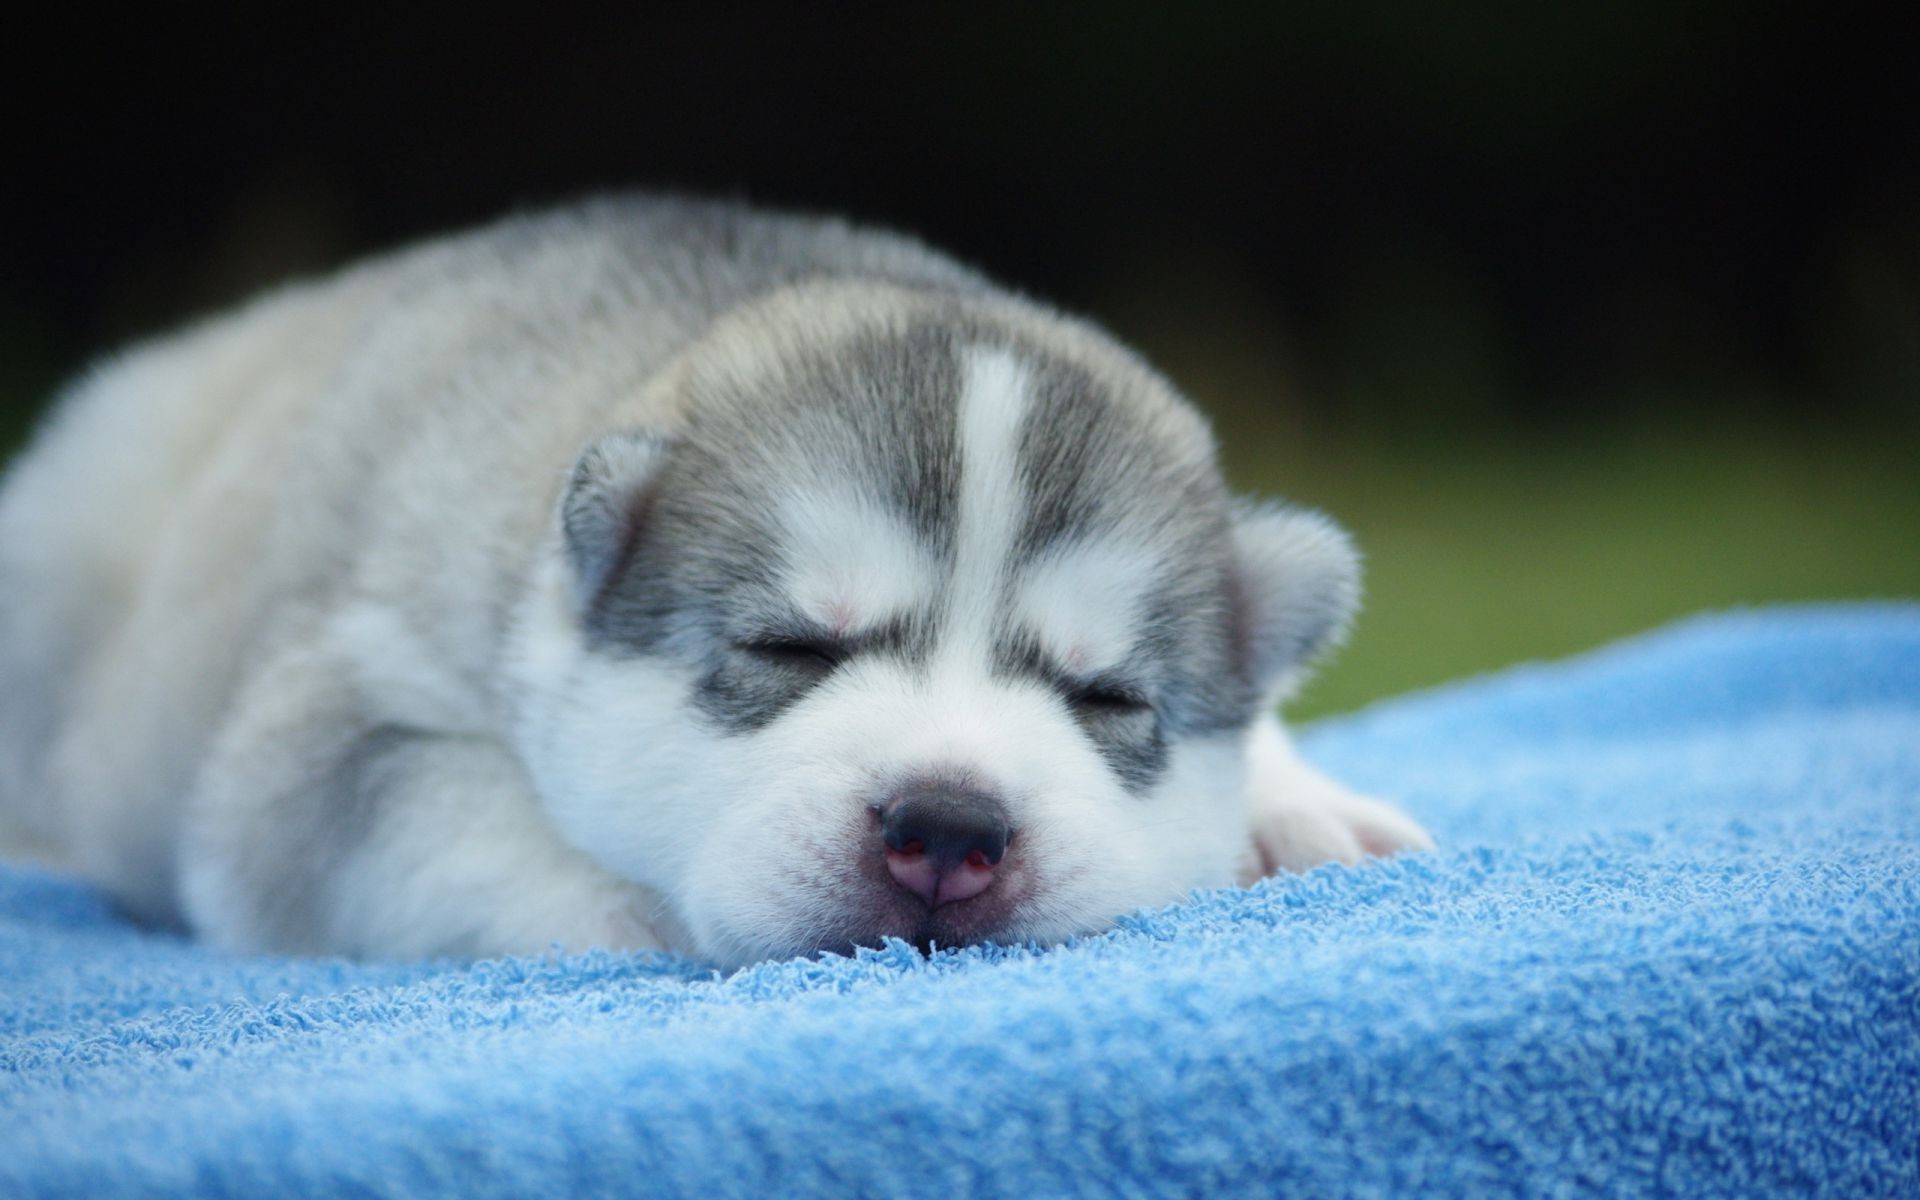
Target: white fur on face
(993, 401)
(618, 755)
(850, 564)
(776, 871)
(1084, 604)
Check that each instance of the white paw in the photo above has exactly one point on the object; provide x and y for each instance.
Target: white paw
(1300, 819)
(1326, 824)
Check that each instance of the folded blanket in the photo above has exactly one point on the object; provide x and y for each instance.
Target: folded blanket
(1670, 944)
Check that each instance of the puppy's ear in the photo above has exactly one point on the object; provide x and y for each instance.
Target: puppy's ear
(1296, 587)
(605, 504)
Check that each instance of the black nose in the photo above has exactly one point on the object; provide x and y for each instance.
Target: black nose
(949, 823)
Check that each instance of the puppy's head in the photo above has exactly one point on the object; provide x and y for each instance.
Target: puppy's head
(929, 619)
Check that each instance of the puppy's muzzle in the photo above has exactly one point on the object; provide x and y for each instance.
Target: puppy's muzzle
(944, 841)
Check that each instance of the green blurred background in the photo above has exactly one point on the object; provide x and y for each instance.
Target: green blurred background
(1581, 318)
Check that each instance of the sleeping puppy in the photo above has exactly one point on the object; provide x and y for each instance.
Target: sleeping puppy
(655, 574)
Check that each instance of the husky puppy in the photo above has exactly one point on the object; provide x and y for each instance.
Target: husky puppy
(655, 574)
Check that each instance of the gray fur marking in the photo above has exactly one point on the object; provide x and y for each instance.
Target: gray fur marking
(879, 412)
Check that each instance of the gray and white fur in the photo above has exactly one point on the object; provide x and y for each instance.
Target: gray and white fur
(655, 573)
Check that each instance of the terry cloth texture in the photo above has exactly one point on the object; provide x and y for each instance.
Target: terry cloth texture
(1670, 945)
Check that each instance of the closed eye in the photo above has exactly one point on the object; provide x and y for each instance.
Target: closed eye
(799, 654)
(1113, 699)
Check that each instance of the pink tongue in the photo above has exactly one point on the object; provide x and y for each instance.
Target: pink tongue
(919, 876)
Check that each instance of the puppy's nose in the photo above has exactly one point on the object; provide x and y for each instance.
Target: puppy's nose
(944, 841)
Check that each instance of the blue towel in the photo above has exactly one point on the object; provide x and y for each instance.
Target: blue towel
(1670, 945)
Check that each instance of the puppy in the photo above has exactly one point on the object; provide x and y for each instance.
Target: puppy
(655, 574)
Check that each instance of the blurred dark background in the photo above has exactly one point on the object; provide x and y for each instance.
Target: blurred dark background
(1581, 316)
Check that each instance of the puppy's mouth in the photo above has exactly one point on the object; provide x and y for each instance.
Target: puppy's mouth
(878, 907)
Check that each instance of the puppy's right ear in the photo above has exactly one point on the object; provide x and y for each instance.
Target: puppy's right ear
(609, 491)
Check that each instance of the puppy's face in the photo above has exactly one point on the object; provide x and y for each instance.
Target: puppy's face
(925, 624)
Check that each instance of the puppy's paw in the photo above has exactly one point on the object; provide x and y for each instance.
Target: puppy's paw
(1325, 823)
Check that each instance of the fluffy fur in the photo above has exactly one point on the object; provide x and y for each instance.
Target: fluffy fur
(594, 578)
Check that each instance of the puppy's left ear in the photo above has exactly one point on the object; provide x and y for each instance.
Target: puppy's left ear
(1296, 587)
(605, 505)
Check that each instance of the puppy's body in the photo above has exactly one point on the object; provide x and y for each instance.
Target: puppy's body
(616, 576)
